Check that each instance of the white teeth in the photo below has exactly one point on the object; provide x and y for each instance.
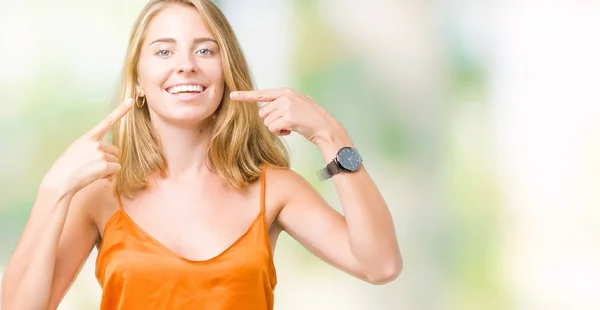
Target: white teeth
(186, 88)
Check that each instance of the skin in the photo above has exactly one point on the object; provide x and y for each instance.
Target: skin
(209, 216)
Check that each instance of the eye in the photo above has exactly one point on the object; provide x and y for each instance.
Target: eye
(204, 52)
(163, 53)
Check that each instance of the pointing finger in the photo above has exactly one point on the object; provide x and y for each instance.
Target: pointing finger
(257, 95)
(106, 124)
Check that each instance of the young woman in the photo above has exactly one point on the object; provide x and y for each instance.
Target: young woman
(187, 203)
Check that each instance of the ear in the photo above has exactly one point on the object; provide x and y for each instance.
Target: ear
(139, 91)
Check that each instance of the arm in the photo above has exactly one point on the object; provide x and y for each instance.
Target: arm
(363, 242)
(57, 239)
(60, 232)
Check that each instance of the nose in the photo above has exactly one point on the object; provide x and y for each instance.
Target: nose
(187, 64)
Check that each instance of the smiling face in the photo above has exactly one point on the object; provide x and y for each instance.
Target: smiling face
(185, 56)
(180, 71)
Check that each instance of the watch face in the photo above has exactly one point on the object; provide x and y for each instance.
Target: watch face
(349, 159)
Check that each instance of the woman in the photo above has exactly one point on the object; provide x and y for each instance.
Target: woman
(187, 205)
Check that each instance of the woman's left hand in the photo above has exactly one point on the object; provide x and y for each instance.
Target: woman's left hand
(286, 110)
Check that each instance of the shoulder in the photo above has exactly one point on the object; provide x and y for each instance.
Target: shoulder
(283, 184)
(283, 177)
(91, 199)
(97, 191)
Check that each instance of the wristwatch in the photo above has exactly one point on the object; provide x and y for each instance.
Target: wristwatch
(346, 160)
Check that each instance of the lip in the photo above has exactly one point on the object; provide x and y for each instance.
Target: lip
(187, 98)
(205, 85)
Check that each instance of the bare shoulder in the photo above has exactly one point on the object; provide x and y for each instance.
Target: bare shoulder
(284, 183)
(97, 191)
(284, 177)
(93, 199)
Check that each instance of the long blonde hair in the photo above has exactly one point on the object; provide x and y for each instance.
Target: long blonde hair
(240, 143)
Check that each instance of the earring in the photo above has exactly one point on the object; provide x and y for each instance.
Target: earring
(137, 101)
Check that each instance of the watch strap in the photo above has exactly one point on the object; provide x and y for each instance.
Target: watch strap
(332, 169)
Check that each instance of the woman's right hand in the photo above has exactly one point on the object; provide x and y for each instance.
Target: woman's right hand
(88, 158)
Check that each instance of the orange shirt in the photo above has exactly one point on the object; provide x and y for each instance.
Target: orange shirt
(136, 271)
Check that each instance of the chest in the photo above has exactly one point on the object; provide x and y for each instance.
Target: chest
(194, 222)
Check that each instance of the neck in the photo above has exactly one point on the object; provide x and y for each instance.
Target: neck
(184, 148)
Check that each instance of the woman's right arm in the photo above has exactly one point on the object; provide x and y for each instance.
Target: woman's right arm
(60, 232)
(55, 243)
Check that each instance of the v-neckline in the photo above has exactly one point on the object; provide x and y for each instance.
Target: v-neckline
(171, 252)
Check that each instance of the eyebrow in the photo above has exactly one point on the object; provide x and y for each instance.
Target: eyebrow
(171, 40)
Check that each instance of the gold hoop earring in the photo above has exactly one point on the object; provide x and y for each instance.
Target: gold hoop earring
(137, 101)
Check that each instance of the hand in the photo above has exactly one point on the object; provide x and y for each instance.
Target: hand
(286, 110)
(88, 158)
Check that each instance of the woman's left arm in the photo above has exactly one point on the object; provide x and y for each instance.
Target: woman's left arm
(363, 241)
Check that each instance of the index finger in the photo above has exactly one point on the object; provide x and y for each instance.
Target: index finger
(111, 119)
(257, 95)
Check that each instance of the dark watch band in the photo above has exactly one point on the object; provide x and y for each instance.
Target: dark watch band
(332, 169)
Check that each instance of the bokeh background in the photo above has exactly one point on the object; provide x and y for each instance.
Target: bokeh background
(479, 120)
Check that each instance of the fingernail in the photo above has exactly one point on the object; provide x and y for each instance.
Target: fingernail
(129, 102)
(234, 95)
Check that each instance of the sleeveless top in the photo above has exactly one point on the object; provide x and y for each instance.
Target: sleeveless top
(136, 271)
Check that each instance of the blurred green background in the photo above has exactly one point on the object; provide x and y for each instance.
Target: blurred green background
(479, 120)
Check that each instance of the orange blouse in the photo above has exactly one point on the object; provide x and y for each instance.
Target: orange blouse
(136, 271)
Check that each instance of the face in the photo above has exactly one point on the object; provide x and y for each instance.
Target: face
(179, 69)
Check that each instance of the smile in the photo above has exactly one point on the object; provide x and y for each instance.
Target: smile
(186, 92)
(186, 89)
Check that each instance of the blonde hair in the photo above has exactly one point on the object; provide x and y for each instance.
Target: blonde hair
(240, 143)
